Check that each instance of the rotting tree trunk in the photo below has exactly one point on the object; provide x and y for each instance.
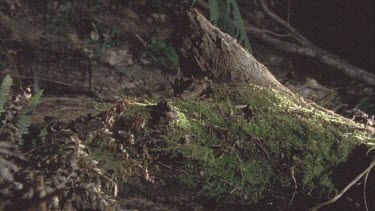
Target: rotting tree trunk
(306, 49)
(209, 55)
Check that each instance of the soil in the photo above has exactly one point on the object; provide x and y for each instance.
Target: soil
(67, 105)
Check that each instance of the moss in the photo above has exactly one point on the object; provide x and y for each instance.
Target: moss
(245, 142)
(229, 156)
(99, 106)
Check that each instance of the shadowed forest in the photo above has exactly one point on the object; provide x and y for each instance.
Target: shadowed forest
(187, 105)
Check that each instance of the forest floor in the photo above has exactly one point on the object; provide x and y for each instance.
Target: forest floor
(127, 64)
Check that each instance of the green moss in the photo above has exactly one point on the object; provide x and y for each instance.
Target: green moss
(226, 155)
(102, 106)
(224, 152)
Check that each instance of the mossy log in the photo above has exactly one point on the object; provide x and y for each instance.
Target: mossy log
(284, 129)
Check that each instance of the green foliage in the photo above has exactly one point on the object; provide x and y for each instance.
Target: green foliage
(10, 136)
(101, 38)
(23, 124)
(193, 3)
(108, 160)
(8, 149)
(367, 105)
(63, 16)
(5, 91)
(164, 53)
(226, 15)
(24, 119)
(41, 139)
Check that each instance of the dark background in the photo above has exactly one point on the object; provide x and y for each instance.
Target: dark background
(343, 27)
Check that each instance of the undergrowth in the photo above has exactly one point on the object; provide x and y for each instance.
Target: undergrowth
(238, 146)
(15, 116)
(163, 53)
(56, 163)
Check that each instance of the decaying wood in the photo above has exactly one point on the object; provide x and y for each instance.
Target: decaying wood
(304, 47)
(207, 54)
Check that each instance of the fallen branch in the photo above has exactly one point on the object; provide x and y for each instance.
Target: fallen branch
(40, 79)
(298, 36)
(309, 50)
(315, 53)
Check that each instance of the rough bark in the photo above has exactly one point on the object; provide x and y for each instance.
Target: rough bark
(306, 48)
(207, 54)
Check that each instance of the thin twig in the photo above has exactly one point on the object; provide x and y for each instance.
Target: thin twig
(41, 79)
(364, 190)
(169, 167)
(276, 34)
(291, 200)
(294, 178)
(146, 45)
(37, 148)
(315, 53)
(259, 144)
(283, 23)
(345, 189)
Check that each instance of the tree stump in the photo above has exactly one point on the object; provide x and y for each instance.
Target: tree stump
(209, 55)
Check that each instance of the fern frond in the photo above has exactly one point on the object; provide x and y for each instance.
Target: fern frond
(35, 100)
(5, 91)
(23, 123)
(227, 16)
(214, 11)
(240, 26)
(193, 3)
(24, 120)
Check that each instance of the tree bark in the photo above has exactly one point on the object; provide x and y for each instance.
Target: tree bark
(306, 48)
(209, 55)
